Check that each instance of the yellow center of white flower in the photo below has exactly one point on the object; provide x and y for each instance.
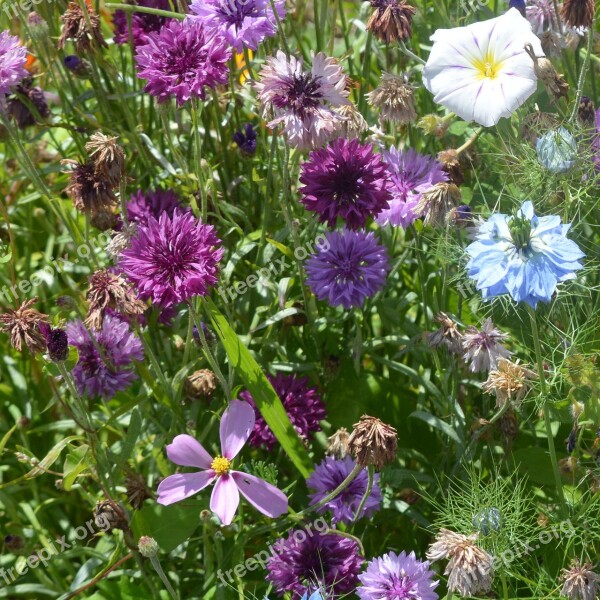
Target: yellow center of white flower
(221, 465)
(488, 67)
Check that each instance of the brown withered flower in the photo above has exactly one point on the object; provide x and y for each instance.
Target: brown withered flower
(338, 444)
(510, 382)
(201, 384)
(81, 27)
(22, 325)
(580, 581)
(578, 13)
(108, 516)
(108, 157)
(90, 194)
(586, 112)
(372, 442)
(110, 290)
(436, 203)
(450, 161)
(352, 124)
(391, 20)
(554, 82)
(394, 98)
(447, 335)
(137, 489)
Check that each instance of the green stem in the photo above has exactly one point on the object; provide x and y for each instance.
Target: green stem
(131, 8)
(157, 567)
(370, 471)
(583, 74)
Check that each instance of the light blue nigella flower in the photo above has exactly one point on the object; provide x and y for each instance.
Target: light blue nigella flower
(557, 150)
(523, 255)
(314, 596)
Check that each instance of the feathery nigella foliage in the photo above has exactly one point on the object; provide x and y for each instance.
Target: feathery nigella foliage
(300, 300)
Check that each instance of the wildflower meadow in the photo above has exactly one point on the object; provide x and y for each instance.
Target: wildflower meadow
(299, 299)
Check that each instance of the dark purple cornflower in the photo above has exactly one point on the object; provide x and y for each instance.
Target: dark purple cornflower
(57, 342)
(182, 60)
(13, 57)
(302, 403)
(243, 23)
(246, 140)
(172, 259)
(310, 560)
(28, 104)
(328, 475)
(483, 349)
(353, 268)
(79, 67)
(105, 367)
(348, 180)
(142, 24)
(152, 203)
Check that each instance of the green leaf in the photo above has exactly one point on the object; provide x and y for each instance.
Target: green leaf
(50, 458)
(76, 462)
(437, 423)
(267, 401)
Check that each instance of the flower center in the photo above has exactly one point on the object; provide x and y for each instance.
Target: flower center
(520, 231)
(221, 465)
(488, 67)
(401, 588)
(235, 12)
(303, 93)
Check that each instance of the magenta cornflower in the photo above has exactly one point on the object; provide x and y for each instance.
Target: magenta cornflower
(172, 259)
(182, 60)
(242, 22)
(236, 425)
(328, 475)
(142, 24)
(143, 205)
(110, 370)
(303, 101)
(411, 175)
(347, 180)
(302, 403)
(352, 269)
(13, 57)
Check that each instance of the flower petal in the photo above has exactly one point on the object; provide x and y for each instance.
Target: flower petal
(225, 499)
(188, 452)
(263, 496)
(236, 425)
(183, 485)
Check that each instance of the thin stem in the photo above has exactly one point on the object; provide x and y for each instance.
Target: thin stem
(583, 73)
(410, 53)
(361, 506)
(157, 567)
(130, 8)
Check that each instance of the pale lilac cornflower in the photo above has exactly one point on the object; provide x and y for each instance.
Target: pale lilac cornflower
(236, 425)
(303, 101)
(483, 348)
(541, 15)
(13, 57)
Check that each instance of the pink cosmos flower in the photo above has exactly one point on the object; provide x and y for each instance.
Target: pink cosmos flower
(236, 425)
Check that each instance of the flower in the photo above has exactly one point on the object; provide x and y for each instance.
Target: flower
(353, 268)
(557, 150)
(172, 259)
(23, 326)
(509, 381)
(243, 23)
(303, 101)
(328, 475)
(578, 13)
(246, 140)
(470, 568)
(541, 15)
(105, 362)
(308, 560)
(373, 442)
(346, 179)
(83, 27)
(447, 335)
(90, 194)
(483, 348)
(108, 157)
(236, 425)
(437, 203)
(182, 60)
(27, 113)
(396, 577)
(302, 404)
(57, 342)
(586, 113)
(352, 124)
(79, 67)
(13, 57)
(391, 20)
(142, 24)
(481, 71)
(580, 581)
(142, 205)
(200, 384)
(411, 175)
(524, 256)
(337, 445)
(394, 99)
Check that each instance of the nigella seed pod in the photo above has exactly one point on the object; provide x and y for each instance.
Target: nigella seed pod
(488, 520)
(557, 150)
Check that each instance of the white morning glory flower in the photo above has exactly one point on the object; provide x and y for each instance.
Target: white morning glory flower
(481, 72)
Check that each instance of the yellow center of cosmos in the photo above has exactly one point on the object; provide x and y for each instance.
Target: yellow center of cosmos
(488, 67)
(221, 465)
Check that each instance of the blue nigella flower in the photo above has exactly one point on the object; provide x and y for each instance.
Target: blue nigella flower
(519, 5)
(557, 150)
(523, 255)
(314, 596)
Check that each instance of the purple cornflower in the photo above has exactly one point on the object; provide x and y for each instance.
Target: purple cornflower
(303, 101)
(302, 403)
(397, 577)
(152, 203)
(411, 175)
(540, 12)
(142, 24)
(346, 179)
(13, 57)
(242, 22)
(354, 268)
(109, 371)
(483, 348)
(328, 475)
(246, 140)
(57, 342)
(309, 560)
(182, 60)
(172, 259)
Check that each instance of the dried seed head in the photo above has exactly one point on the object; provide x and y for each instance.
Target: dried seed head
(394, 98)
(84, 29)
(22, 325)
(352, 124)
(338, 444)
(536, 124)
(447, 335)
(554, 82)
(469, 569)
(508, 424)
(136, 489)
(108, 157)
(551, 42)
(450, 160)
(391, 20)
(578, 13)
(436, 203)
(372, 442)
(89, 194)
(510, 382)
(121, 240)
(103, 220)
(586, 112)
(201, 384)
(108, 516)
(580, 581)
